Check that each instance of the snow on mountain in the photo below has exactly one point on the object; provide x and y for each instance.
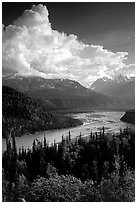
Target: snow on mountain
(120, 87)
(25, 84)
(100, 83)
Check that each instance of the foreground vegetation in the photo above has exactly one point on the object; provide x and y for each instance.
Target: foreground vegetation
(97, 168)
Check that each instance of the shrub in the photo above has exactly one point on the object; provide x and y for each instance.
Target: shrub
(55, 189)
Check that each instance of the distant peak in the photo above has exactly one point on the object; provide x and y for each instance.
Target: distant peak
(121, 78)
(105, 78)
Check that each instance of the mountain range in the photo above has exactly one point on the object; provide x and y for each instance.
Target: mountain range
(120, 87)
(29, 103)
(61, 94)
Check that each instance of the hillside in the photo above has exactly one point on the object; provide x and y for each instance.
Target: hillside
(129, 117)
(62, 94)
(28, 115)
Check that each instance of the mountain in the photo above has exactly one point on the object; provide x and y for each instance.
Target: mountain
(27, 84)
(27, 115)
(61, 94)
(120, 87)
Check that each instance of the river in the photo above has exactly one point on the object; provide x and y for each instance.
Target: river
(91, 121)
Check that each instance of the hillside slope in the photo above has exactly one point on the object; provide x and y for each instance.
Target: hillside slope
(27, 115)
(129, 117)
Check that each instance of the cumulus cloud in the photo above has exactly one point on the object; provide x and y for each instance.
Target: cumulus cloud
(31, 47)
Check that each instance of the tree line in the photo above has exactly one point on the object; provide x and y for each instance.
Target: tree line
(78, 169)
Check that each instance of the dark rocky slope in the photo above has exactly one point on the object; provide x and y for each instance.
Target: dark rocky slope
(129, 117)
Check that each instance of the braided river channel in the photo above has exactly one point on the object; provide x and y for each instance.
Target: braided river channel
(92, 121)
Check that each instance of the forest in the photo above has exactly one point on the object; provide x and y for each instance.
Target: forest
(97, 168)
(26, 115)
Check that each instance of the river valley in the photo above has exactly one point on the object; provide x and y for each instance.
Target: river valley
(92, 121)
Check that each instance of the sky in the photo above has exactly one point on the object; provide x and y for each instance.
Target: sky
(80, 41)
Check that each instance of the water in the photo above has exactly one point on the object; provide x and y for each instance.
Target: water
(91, 121)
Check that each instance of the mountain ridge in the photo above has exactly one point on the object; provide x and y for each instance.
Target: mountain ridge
(39, 82)
(62, 94)
(121, 87)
